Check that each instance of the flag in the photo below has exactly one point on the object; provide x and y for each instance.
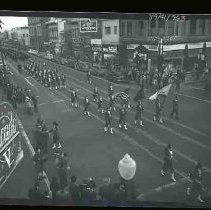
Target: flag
(164, 91)
(122, 95)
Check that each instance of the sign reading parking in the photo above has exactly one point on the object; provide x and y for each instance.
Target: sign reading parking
(88, 25)
(11, 152)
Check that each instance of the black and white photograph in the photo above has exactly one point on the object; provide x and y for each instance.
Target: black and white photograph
(105, 109)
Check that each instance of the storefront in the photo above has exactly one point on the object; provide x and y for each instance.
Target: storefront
(110, 53)
(96, 45)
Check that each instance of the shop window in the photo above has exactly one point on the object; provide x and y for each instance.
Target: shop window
(193, 26)
(107, 30)
(123, 29)
(115, 29)
(177, 29)
(171, 28)
(202, 27)
(129, 28)
(140, 28)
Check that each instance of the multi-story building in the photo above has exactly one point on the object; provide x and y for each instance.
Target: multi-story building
(23, 35)
(37, 32)
(175, 35)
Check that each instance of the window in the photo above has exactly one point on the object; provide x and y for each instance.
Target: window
(193, 26)
(123, 29)
(161, 24)
(171, 28)
(153, 24)
(140, 28)
(115, 29)
(107, 30)
(177, 28)
(202, 27)
(129, 28)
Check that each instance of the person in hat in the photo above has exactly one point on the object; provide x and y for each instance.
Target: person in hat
(139, 113)
(122, 115)
(110, 90)
(112, 102)
(86, 106)
(99, 104)
(175, 108)
(88, 75)
(158, 110)
(196, 178)
(74, 190)
(55, 134)
(95, 94)
(74, 98)
(105, 191)
(168, 162)
(108, 120)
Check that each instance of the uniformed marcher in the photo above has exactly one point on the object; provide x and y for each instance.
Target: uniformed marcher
(74, 98)
(108, 120)
(110, 90)
(175, 108)
(86, 106)
(89, 77)
(158, 109)
(99, 104)
(139, 113)
(95, 94)
(112, 102)
(34, 99)
(56, 137)
(122, 116)
(196, 178)
(168, 162)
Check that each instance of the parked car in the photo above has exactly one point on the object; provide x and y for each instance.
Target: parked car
(34, 52)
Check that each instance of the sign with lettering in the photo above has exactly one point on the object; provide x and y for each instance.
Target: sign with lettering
(11, 152)
(165, 17)
(110, 49)
(88, 25)
(96, 48)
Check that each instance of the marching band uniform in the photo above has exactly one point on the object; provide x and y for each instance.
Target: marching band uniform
(95, 94)
(99, 104)
(112, 102)
(175, 108)
(122, 113)
(168, 162)
(74, 98)
(110, 90)
(139, 113)
(196, 178)
(89, 77)
(158, 110)
(86, 106)
(108, 121)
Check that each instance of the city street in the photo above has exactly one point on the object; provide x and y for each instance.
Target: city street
(96, 154)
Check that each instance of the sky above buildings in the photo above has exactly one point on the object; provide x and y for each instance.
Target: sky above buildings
(12, 22)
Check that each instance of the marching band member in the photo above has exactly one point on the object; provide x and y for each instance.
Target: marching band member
(168, 162)
(139, 113)
(99, 104)
(86, 106)
(122, 113)
(95, 94)
(108, 120)
(74, 98)
(55, 134)
(110, 90)
(158, 109)
(112, 102)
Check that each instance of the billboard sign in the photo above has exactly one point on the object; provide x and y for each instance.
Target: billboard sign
(88, 25)
(11, 152)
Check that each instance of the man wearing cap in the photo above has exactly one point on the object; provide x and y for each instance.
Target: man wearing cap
(158, 109)
(86, 106)
(112, 102)
(99, 104)
(95, 94)
(139, 113)
(175, 108)
(110, 90)
(74, 98)
(168, 162)
(196, 178)
(55, 133)
(108, 121)
(122, 116)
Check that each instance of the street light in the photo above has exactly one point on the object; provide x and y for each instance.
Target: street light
(2, 57)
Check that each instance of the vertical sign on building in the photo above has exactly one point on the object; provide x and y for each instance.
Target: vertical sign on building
(11, 152)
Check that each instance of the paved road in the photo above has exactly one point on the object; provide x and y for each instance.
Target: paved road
(94, 153)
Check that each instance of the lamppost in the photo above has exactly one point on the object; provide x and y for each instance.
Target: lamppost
(2, 56)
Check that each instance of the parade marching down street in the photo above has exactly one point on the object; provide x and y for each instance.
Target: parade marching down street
(81, 126)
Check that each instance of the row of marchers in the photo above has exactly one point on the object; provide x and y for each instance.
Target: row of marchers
(46, 76)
